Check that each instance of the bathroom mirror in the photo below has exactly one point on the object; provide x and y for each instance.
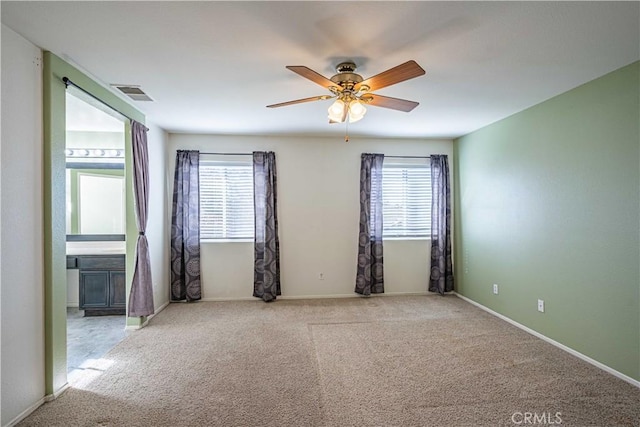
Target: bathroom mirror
(95, 202)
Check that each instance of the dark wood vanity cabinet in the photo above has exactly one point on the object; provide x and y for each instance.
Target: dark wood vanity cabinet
(102, 283)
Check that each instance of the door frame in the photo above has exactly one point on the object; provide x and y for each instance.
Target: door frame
(54, 227)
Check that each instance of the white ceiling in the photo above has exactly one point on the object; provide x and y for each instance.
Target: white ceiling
(212, 67)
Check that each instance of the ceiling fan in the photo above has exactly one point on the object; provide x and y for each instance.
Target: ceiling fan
(352, 92)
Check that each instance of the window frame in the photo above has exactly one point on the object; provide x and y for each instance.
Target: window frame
(220, 162)
(406, 163)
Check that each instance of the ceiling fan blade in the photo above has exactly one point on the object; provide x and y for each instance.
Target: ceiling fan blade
(402, 72)
(300, 101)
(388, 102)
(308, 73)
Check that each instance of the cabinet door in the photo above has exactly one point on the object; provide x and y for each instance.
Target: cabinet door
(117, 293)
(94, 289)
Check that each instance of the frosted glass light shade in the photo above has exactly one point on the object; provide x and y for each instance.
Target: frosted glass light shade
(336, 110)
(356, 111)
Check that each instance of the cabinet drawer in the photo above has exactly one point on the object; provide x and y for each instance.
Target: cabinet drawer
(72, 261)
(110, 262)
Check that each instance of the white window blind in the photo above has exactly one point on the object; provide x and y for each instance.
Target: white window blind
(406, 197)
(226, 200)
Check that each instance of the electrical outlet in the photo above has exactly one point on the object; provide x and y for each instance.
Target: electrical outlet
(320, 276)
(495, 289)
(541, 306)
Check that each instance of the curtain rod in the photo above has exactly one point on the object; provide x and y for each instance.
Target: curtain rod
(408, 157)
(68, 82)
(228, 154)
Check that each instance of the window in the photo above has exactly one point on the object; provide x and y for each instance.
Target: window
(406, 197)
(226, 200)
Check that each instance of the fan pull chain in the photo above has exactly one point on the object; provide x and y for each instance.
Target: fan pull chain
(346, 132)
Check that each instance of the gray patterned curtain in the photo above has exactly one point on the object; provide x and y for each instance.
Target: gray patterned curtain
(266, 277)
(370, 273)
(185, 228)
(441, 279)
(141, 295)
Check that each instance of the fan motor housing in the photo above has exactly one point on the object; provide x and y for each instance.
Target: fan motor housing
(347, 80)
(346, 77)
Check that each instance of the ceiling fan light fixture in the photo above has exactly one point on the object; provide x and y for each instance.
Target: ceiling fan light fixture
(352, 91)
(336, 110)
(356, 111)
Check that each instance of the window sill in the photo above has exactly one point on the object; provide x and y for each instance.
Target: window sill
(226, 240)
(405, 238)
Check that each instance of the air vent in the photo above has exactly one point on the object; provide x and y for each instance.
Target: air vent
(133, 91)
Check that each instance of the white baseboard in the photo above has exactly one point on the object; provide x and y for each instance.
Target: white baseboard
(354, 295)
(333, 296)
(555, 343)
(400, 294)
(327, 296)
(24, 414)
(162, 307)
(219, 299)
(158, 310)
(57, 394)
(48, 398)
(73, 305)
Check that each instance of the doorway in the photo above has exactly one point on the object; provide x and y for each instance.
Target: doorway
(95, 231)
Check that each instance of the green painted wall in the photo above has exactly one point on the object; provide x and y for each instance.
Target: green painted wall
(54, 69)
(548, 206)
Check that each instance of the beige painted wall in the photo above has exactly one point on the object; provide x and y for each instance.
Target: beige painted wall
(318, 187)
(157, 228)
(21, 207)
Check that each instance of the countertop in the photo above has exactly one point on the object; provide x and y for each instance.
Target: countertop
(96, 248)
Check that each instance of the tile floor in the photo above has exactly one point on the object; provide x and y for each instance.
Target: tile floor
(90, 338)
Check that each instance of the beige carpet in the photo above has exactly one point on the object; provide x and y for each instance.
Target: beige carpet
(383, 361)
